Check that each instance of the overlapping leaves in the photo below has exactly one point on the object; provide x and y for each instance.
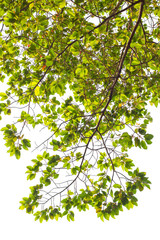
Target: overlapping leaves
(85, 71)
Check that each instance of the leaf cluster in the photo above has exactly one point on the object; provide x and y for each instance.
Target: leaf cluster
(84, 71)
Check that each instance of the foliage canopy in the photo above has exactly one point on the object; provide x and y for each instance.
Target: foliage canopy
(85, 72)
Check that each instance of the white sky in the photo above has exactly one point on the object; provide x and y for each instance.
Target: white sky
(141, 222)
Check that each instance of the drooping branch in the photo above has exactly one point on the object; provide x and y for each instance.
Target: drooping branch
(115, 81)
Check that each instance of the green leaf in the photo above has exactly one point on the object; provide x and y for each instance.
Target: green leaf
(41, 219)
(137, 142)
(143, 144)
(3, 96)
(47, 182)
(17, 154)
(68, 217)
(117, 186)
(26, 143)
(74, 171)
(142, 131)
(148, 136)
(37, 91)
(71, 215)
(31, 176)
(60, 3)
(22, 207)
